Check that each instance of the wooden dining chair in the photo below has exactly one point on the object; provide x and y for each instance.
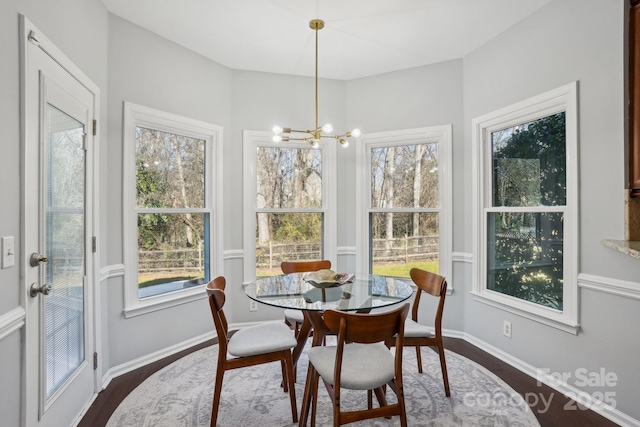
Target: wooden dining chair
(418, 335)
(360, 361)
(254, 345)
(294, 317)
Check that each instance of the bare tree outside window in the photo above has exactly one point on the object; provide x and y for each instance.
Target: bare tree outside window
(170, 189)
(404, 219)
(289, 218)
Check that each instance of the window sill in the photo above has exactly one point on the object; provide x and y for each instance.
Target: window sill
(527, 310)
(163, 301)
(629, 247)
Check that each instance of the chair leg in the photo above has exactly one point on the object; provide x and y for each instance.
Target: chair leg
(337, 416)
(306, 397)
(296, 328)
(288, 378)
(314, 398)
(443, 365)
(403, 409)
(285, 384)
(382, 398)
(336, 413)
(419, 358)
(216, 394)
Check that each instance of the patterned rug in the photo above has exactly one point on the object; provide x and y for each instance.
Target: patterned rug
(180, 395)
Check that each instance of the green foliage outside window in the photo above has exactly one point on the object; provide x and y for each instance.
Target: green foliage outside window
(525, 249)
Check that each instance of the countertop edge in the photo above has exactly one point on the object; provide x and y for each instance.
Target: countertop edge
(629, 247)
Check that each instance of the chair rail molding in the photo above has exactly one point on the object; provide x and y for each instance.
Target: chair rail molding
(609, 285)
(11, 321)
(233, 254)
(465, 257)
(346, 250)
(111, 271)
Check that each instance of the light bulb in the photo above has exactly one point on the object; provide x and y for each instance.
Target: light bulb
(277, 138)
(277, 129)
(328, 128)
(344, 142)
(355, 132)
(314, 143)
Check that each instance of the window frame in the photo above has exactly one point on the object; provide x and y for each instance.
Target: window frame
(137, 115)
(254, 139)
(562, 99)
(443, 135)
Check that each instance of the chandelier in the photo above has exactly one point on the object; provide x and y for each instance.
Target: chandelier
(313, 137)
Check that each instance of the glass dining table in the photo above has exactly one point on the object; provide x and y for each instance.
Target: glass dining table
(362, 293)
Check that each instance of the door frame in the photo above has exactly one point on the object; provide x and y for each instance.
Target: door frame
(30, 34)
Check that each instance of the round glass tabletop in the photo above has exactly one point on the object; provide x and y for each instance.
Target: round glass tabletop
(296, 291)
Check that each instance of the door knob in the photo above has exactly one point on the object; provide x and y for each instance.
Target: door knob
(36, 259)
(36, 288)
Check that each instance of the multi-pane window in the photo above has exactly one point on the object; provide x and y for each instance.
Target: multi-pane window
(525, 225)
(171, 193)
(172, 217)
(288, 192)
(406, 202)
(525, 195)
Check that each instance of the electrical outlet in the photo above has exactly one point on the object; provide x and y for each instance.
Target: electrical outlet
(506, 329)
(253, 305)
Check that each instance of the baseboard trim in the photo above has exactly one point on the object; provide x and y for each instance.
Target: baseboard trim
(134, 364)
(567, 390)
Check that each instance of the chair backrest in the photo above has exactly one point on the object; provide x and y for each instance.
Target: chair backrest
(304, 266)
(367, 328)
(433, 284)
(217, 298)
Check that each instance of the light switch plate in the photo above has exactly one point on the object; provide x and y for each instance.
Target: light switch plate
(8, 252)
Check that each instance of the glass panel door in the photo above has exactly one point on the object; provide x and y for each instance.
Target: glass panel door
(64, 242)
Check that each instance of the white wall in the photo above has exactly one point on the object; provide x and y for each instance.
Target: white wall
(565, 41)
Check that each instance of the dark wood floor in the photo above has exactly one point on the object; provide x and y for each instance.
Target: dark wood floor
(557, 414)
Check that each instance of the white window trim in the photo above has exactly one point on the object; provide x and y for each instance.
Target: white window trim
(562, 99)
(250, 141)
(137, 115)
(443, 136)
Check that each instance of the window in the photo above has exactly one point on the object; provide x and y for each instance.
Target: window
(406, 199)
(525, 198)
(171, 190)
(290, 209)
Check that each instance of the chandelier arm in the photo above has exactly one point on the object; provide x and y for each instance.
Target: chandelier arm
(300, 131)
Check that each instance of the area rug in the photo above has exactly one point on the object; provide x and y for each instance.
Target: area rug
(180, 395)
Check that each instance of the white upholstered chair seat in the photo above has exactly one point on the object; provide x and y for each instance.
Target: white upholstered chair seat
(413, 329)
(293, 316)
(364, 366)
(259, 339)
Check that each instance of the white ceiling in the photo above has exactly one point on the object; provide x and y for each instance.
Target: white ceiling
(360, 37)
